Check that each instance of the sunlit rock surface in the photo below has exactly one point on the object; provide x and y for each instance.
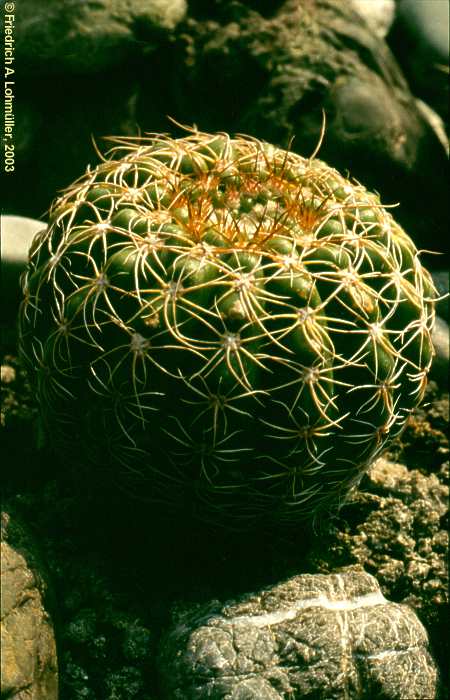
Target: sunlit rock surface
(332, 636)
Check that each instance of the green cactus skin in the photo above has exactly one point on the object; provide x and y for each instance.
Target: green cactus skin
(225, 324)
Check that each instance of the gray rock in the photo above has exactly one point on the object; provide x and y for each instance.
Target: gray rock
(420, 40)
(331, 637)
(435, 121)
(29, 667)
(17, 233)
(441, 340)
(379, 15)
(429, 22)
(88, 37)
(441, 282)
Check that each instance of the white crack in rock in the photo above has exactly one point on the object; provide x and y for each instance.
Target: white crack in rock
(332, 635)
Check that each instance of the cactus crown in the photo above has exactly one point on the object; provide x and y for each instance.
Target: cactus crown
(227, 323)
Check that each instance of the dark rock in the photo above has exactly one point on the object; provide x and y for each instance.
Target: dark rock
(420, 40)
(330, 636)
(272, 77)
(105, 647)
(79, 70)
(89, 37)
(424, 442)
(67, 113)
(29, 665)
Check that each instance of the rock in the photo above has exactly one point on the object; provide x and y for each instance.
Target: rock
(105, 648)
(79, 65)
(306, 58)
(264, 68)
(441, 340)
(420, 40)
(429, 23)
(329, 636)
(393, 479)
(111, 582)
(441, 282)
(436, 123)
(88, 37)
(69, 114)
(378, 15)
(17, 234)
(29, 663)
(395, 526)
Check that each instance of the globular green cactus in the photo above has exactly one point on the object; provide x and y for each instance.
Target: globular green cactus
(225, 325)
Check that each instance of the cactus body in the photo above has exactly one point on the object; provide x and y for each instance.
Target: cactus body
(225, 324)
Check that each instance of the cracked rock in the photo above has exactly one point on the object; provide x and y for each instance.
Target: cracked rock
(329, 636)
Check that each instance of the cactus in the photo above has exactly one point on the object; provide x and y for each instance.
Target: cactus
(226, 325)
